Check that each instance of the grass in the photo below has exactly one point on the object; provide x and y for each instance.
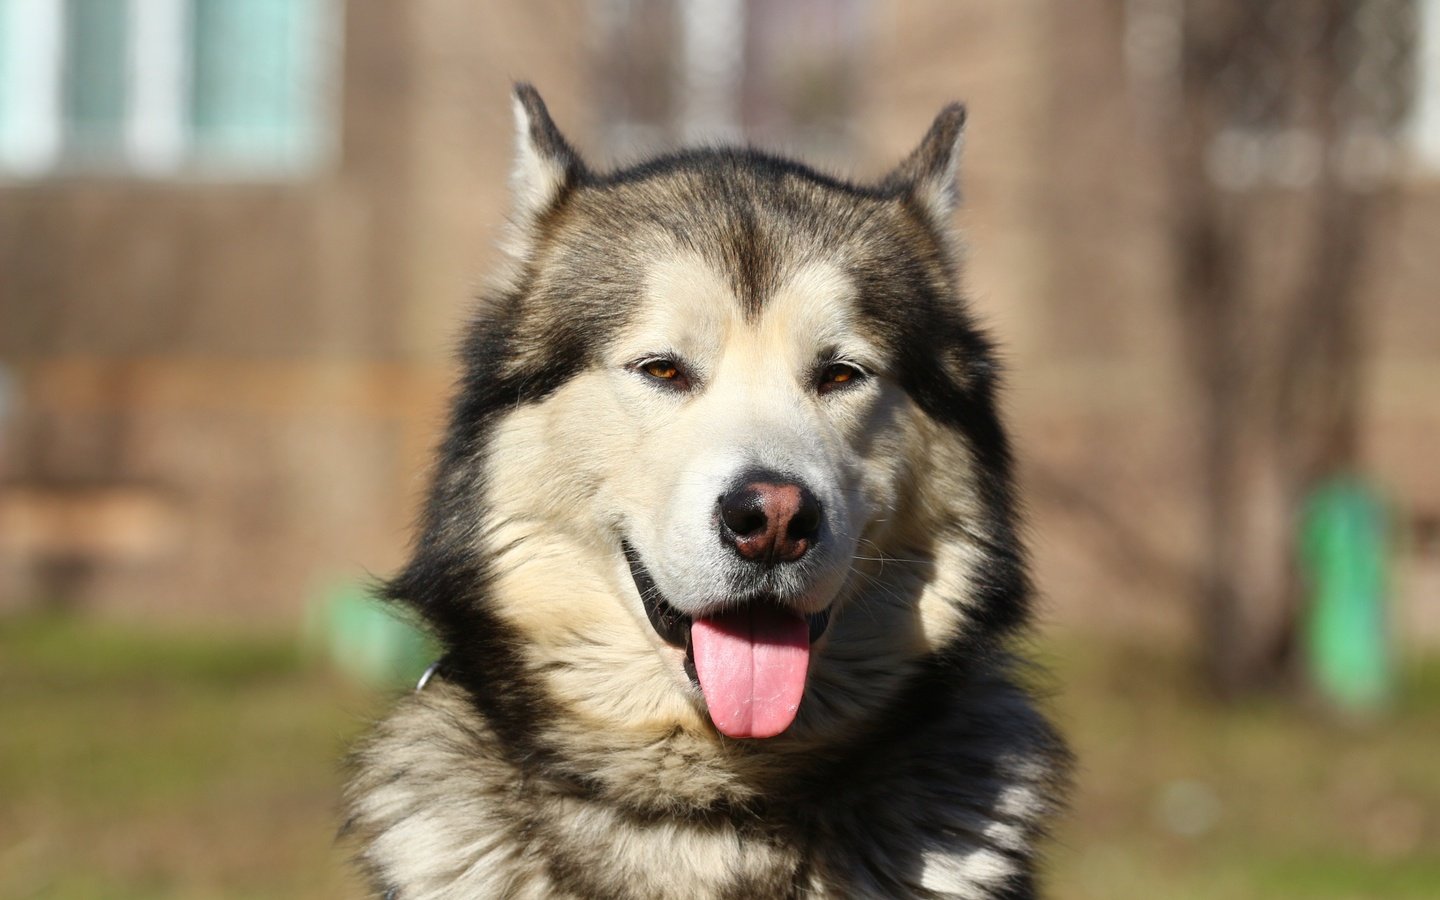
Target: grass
(145, 765)
(142, 765)
(1179, 797)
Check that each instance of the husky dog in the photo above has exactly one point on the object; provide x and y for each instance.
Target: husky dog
(723, 555)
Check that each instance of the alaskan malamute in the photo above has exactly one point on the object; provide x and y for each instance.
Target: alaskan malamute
(722, 550)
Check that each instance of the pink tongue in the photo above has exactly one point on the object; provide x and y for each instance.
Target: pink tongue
(752, 664)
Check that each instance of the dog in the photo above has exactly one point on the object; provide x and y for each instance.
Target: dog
(723, 554)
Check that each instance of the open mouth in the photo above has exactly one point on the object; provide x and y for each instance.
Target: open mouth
(750, 660)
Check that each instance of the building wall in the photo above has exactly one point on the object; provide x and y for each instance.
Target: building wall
(246, 379)
(250, 374)
(1106, 412)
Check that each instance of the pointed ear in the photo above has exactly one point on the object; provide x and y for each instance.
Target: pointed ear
(928, 174)
(545, 163)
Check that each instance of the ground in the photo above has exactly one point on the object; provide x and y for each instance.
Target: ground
(156, 765)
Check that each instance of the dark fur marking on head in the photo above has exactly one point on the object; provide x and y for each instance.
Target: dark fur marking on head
(748, 159)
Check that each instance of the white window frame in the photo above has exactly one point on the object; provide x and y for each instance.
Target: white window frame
(1425, 119)
(713, 40)
(35, 38)
(158, 64)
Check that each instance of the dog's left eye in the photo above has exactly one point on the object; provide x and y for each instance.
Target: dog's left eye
(838, 375)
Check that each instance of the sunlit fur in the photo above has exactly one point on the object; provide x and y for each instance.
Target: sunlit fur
(563, 751)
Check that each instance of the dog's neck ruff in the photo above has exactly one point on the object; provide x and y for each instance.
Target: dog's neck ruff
(940, 806)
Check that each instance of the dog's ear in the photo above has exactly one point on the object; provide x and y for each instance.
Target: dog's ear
(545, 163)
(928, 174)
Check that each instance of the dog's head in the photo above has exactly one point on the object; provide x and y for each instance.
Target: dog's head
(726, 441)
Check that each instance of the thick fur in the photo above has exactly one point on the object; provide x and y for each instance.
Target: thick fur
(563, 751)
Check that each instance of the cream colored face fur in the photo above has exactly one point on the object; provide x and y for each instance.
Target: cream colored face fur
(608, 458)
(753, 405)
(611, 456)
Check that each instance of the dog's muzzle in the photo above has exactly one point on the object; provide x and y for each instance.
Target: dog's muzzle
(750, 658)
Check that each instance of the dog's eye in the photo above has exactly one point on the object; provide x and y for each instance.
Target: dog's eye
(838, 375)
(664, 370)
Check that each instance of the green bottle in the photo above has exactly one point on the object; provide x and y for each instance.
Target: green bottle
(1343, 543)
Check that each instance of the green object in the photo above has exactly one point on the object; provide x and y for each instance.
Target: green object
(1343, 555)
(367, 640)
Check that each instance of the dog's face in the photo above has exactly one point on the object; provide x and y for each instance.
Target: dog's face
(763, 467)
(733, 473)
(761, 471)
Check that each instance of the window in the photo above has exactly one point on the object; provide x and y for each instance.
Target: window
(1368, 66)
(782, 72)
(161, 87)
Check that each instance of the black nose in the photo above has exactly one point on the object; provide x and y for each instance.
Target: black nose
(770, 519)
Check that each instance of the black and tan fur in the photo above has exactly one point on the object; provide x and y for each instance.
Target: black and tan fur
(562, 752)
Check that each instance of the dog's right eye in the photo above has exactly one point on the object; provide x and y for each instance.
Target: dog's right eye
(663, 369)
(668, 372)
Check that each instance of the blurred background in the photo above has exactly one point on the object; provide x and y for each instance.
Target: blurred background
(237, 238)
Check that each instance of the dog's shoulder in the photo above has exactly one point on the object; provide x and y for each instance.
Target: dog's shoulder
(950, 803)
(432, 805)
